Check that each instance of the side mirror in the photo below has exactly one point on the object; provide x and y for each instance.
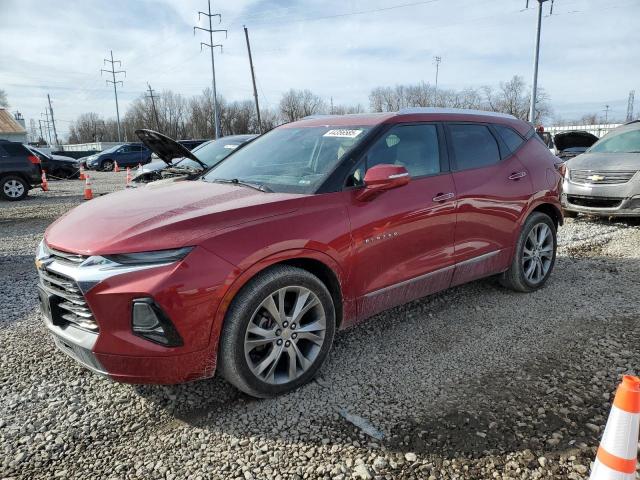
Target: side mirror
(381, 178)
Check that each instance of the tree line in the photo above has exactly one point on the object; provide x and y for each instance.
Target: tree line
(183, 118)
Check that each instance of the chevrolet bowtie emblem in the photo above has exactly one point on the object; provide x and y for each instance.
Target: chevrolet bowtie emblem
(595, 178)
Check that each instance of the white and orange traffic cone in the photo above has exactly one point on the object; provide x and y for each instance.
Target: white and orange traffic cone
(116, 168)
(128, 177)
(618, 452)
(88, 192)
(44, 185)
(82, 175)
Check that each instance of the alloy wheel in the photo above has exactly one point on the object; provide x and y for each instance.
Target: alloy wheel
(285, 335)
(537, 254)
(13, 189)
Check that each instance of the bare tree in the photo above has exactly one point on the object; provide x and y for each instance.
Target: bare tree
(297, 104)
(4, 102)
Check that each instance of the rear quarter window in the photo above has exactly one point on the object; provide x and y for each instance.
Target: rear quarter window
(510, 137)
(473, 146)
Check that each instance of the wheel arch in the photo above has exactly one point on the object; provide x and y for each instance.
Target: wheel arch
(552, 211)
(315, 262)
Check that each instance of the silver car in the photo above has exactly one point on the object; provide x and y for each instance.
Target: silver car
(605, 180)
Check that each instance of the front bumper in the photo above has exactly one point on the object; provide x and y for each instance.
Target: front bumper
(590, 205)
(185, 290)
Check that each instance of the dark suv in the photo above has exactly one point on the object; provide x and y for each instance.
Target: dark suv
(19, 170)
(127, 155)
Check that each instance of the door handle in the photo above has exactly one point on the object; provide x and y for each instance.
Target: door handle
(517, 175)
(441, 197)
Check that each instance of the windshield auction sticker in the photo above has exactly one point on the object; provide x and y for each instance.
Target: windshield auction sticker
(342, 133)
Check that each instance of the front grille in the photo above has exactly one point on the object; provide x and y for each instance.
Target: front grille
(601, 177)
(69, 300)
(594, 202)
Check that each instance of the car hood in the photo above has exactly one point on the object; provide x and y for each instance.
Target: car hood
(605, 161)
(163, 216)
(578, 138)
(62, 158)
(154, 166)
(164, 147)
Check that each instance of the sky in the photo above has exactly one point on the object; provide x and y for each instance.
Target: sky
(590, 50)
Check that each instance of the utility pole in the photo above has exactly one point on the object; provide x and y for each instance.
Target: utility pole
(253, 79)
(216, 115)
(153, 104)
(41, 134)
(630, 103)
(437, 61)
(46, 114)
(53, 122)
(113, 73)
(606, 113)
(536, 58)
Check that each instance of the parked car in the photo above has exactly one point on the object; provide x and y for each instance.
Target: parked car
(604, 181)
(56, 166)
(310, 228)
(177, 163)
(19, 170)
(572, 143)
(127, 155)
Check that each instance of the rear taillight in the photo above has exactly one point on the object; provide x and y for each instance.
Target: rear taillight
(562, 168)
(33, 159)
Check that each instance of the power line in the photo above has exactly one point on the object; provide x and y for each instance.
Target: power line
(113, 73)
(153, 104)
(212, 46)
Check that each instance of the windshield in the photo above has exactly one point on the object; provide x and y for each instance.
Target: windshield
(110, 150)
(290, 159)
(623, 142)
(211, 153)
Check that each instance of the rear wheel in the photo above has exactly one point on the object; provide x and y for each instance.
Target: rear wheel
(107, 165)
(13, 188)
(277, 333)
(535, 255)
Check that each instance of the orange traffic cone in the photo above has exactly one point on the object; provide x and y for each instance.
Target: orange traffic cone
(128, 176)
(116, 168)
(617, 455)
(44, 185)
(82, 175)
(88, 192)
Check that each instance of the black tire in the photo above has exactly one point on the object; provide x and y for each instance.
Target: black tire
(569, 214)
(516, 278)
(13, 188)
(232, 363)
(107, 165)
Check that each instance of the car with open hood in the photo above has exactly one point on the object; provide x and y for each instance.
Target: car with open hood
(573, 143)
(604, 180)
(56, 166)
(250, 270)
(177, 162)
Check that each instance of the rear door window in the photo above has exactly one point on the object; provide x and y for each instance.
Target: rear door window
(474, 146)
(510, 137)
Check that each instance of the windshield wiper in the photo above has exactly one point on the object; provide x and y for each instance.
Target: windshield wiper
(235, 181)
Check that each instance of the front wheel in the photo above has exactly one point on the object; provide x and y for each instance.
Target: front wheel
(107, 166)
(535, 255)
(277, 333)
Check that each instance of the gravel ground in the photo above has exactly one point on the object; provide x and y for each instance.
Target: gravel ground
(476, 382)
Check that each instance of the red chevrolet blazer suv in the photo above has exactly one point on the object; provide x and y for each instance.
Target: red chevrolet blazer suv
(250, 268)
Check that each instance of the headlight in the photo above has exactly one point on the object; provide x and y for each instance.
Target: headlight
(149, 258)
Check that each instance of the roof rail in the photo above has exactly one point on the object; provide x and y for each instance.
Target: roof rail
(457, 111)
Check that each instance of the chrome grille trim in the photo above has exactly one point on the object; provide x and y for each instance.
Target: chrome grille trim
(611, 177)
(72, 299)
(64, 257)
